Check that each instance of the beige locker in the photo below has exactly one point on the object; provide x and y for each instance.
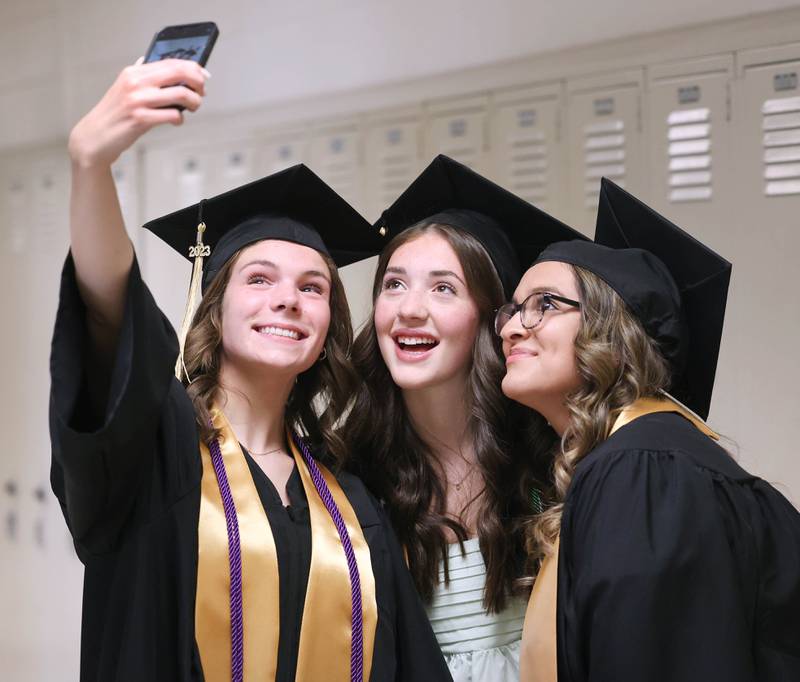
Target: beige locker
(280, 149)
(126, 179)
(174, 177)
(34, 200)
(457, 128)
(391, 156)
(17, 263)
(334, 155)
(525, 144)
(693, 173)
(690, 155)
(604, 132)
(50, 181)
(231, 164)
(46, 174)
(15, 208)
(764, 314)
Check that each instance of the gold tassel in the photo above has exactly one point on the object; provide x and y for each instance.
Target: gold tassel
(199, 251)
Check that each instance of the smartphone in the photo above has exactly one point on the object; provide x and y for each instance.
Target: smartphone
(186, 41)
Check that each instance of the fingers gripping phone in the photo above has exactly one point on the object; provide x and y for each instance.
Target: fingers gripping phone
(184, 41)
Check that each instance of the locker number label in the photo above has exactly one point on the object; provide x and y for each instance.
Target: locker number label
(604, 106)
(785, 81)
(689, 94)
(526, 118)
(394, 136)
(458, 127)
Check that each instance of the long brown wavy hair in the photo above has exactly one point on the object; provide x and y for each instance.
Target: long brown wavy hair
(400, 468)
(618, 363)
(321, 393)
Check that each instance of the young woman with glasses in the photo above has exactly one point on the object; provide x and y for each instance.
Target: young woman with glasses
(662, 559)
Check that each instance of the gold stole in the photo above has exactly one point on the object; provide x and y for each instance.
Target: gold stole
(325, 634)
(539, 653)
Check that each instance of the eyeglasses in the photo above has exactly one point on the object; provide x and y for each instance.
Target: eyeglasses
(531, 310)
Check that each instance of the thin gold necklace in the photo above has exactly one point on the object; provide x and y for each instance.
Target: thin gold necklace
(464, 478)
(470, 466)
(263, 454)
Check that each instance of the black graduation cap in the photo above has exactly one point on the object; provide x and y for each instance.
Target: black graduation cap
(512, 231)
(676, 286)
(293, 205)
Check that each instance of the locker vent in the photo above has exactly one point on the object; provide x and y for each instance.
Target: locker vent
(527, 163)
(781, 126)
(396, 166)
(191, 182)
(689, 152)
(337, 166)
(460, 138)
(604, 156)
(282, 155)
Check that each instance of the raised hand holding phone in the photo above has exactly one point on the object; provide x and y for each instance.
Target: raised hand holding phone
(139, 99)
(153, 91)
(142, 96)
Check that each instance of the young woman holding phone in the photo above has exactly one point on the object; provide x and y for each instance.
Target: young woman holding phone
(219, 538)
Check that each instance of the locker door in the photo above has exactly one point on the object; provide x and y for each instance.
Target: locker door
(457, 128)
(392, 156)
(334, 156)
(173, 178)
(690, 155)
(605, 139)
(126, 178)
(766, 111)
(15, 205)
(49, 182)
(17, 263)
(231, 164)
(280, 150)
(50, 193)
(524, 134)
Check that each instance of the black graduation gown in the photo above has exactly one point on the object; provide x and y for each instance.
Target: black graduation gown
(129, 487)
(676, 564)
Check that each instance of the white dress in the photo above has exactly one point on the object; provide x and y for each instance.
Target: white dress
(478, 646)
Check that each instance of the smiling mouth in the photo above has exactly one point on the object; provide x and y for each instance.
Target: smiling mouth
(284, 332)
(416, 344)
(520, 354)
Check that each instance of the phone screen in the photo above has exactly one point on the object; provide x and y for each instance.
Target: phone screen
(186, 41)
(190, 47)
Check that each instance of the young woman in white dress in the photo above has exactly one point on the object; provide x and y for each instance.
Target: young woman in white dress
(453, 460)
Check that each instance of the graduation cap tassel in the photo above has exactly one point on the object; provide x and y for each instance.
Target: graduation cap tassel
(199, 252)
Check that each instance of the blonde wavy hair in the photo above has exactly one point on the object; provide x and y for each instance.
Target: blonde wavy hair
(618, 363)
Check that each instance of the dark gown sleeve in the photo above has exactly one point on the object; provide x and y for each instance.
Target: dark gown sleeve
(777, 525)
(99, 461)
(650, 582)
(418, 656)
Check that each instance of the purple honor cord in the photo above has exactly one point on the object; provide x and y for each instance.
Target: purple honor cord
(235, 563)
(357, 638)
